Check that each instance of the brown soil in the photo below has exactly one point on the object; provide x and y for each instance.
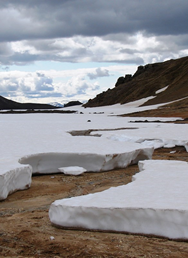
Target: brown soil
(26, 231)
(171, 110)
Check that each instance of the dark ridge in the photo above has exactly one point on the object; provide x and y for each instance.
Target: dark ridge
(73, 103)
(34, 111)
(6, 104)
(145, 82)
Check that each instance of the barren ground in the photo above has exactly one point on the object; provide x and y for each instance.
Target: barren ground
(26, 231)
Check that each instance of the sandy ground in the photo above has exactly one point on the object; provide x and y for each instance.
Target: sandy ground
(26, 231)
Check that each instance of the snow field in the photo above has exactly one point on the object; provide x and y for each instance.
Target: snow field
(43, 141)
(154, 203)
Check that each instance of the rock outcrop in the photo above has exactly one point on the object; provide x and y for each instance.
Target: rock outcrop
(73, 103)
(146, 82)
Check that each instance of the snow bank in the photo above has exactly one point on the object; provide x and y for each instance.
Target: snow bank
(18, 177)
(95, 162)
(154, 203)
(153, 134)
(74, 170)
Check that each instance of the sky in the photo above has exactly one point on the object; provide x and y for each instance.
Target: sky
(64, 50)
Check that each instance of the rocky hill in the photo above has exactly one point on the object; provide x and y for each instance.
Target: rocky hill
(6, 104)
(147, 81)
(73, 103)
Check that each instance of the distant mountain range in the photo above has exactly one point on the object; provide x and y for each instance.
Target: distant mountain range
(69, 104)
(56, 104)
(149, 80)
(6, 104)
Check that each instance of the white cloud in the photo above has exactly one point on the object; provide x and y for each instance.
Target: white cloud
(138, 48)
(98, 73)
(53, 85)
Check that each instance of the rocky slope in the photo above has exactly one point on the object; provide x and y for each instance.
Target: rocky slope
(9, 104)
(145, 82)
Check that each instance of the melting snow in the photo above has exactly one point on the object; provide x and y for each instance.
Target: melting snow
(18, 177)
(74, 170)
(154, 203)
(161, 90)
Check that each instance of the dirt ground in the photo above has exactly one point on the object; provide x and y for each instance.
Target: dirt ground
(26, 231)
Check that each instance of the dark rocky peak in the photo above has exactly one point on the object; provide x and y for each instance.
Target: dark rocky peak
(146, 81)
(121, 80)
(73, 103)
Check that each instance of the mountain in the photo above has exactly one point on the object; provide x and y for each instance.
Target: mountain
(149, 80)
(10, 104)
(57, 104)
(73, 103)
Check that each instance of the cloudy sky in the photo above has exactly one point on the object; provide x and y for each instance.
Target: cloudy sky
(62, 50)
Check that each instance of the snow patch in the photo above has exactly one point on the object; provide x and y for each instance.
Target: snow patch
(74, 170)
(16, 178)
(154, 203)
(152, 134)
(161, 90)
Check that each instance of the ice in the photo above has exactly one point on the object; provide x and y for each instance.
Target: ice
(152, 134)
(74, 170)
(93, 162)
(154, 203)
(15, 177)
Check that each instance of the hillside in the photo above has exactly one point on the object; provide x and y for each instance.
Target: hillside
(145, 82)
(9, 104)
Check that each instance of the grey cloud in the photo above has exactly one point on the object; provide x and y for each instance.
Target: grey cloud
(12, 87)
(82, 89)
(129, 60)
(129, 51)
(55, 19)
(39, 23)
(79, 87)
(8, 84)
(47, 45)
(24, 57)
(46, 51)
(99, 72)
(40, 74)
(7, 94)
(5, 48)
(9, 88)
(24, 88)
(44, 83)
(37, 94)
